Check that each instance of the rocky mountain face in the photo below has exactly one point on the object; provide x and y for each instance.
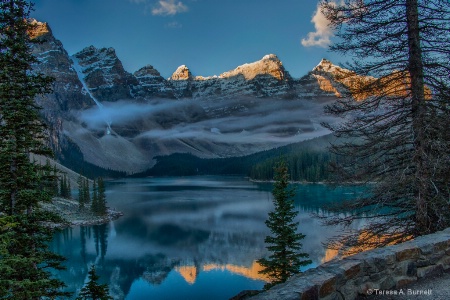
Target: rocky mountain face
(335, 79)
(120, 120)
(264, 78)
(104, 74)
(67, 90)
(54, 61)
(152, 84)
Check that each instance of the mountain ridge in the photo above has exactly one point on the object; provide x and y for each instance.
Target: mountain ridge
(120, 120)
(102, 69)
(184, 84)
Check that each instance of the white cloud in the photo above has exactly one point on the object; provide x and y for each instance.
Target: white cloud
(322, 36)
(169, 7)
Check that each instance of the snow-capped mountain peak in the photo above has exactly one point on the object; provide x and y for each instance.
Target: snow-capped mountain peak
(327, 66)
(39, 28)
(182, 73)
(270, 64)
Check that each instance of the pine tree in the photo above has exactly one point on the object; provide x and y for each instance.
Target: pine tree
(93, 290)
(81, 199)
(284, 243)
(6, 224)
(49, 175)
(26, 262)
(49, 181)
(87, 193)
(69, 190)
(397, 136)
(66, 187)
(94, 203)
(101, 204)
(55, 182)
(61, 187)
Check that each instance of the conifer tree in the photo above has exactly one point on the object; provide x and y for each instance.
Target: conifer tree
(101, 204)
(69, 190)
(94, 203)
(61, 187)
(26, 261)
(6, 224)
(284, 243)
(397, 137)
(50, 176)
(64, 187)
(86, 191)
(55, 182)
(93, 290)
(81, 194)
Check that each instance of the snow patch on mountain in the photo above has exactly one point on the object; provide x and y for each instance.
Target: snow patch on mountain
(79, 70)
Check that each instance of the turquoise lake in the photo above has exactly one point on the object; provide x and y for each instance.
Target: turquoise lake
(188, 237)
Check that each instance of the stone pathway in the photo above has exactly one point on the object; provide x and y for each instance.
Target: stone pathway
(433, 288)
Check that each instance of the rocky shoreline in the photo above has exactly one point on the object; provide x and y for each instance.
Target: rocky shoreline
(69, 210)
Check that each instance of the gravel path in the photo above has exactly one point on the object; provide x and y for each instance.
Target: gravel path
(433, 288)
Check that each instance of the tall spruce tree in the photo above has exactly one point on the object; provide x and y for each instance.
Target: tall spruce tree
(93, 290)
(26, 261)
(86, 191)
(66, 187)
(55, 181)
(284, 243)
(69, 190)
(94, 203)
(84, 195)
(81, 194)
(101, 197)
(397, 138)
(62, 187)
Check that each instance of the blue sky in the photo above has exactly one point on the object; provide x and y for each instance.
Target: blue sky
(209, 36)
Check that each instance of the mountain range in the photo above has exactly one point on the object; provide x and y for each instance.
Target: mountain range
(120, 121)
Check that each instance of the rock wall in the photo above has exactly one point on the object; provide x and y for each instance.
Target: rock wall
(386, 268)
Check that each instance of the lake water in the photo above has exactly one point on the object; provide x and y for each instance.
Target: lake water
(187, 237)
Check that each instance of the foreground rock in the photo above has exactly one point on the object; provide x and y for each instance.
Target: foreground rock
(385, 271)
(70, 211)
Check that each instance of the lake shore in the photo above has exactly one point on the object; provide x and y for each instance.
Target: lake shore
(299, 182)
(69, 210)
(313, 182)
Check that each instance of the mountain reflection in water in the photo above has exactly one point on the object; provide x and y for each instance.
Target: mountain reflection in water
(189, 273)
(187, 238)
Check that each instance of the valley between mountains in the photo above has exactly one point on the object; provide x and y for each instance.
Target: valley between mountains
(112, 119)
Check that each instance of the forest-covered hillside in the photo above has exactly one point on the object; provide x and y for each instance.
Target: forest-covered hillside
(307, 161)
